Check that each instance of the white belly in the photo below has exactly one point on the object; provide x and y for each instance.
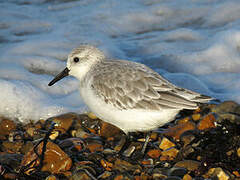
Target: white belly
(127, 120)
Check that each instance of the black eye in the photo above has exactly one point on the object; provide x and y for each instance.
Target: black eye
(76, 59)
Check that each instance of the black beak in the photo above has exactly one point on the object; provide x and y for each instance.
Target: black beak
(61, 75)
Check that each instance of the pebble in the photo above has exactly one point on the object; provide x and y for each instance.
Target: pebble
(191, 147)
(166, 144)
(225, 107)
(80, 175)
(55, 160)
(12, 147)
(190, 165)
(177, 130)
(108, 130)
(6, 126)
(207, 122)
(169, 154)
(154, 153)
(217, 173)
(122, 166)
(62, 122)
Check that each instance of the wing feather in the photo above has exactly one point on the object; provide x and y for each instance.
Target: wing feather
(128, 85)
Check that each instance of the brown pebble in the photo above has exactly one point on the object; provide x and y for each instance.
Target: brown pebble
(81, 133)
(72, 143)
(106, 165)
(154, 136)
(184, 120)
(187, 177)
(190, 165)
(227, 106)
(10, 176)
(63, 121)
(121, 177)
(147, 162)
(51, 177)
(238, 152)
(169, 154)
(142, 177)
(196, 117)
(218, 173)
(12, 147)
(122, 166)
(94, 147)
(179, 129)
(154, 153)
(105, 175)
(120, 143)
(234, 118)
(108, 130)
(6, 126)
(55, 160)
(80, 175)
(166, 144)
(187, 139)
(236, 173)
(27, 147)
(207, 122)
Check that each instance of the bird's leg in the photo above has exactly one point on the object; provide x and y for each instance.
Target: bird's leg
(147, 138)
(128, 138)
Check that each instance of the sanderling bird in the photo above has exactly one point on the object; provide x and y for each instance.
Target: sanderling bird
(126, 94)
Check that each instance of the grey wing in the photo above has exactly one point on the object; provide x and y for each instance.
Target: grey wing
(133, 85)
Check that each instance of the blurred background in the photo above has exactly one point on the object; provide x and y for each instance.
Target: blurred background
(193, 43)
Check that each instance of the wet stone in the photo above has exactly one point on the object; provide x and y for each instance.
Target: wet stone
(169, 154)
(9, 176)
(108, 130)
(132, 148)
(6, 126)
(51, 177)
(148, 162)
(186, 151)
(159, 176)
(80, 175)
(207, 122)
(166, 144)
(177, 130)
(177, 171)
(122, 166)
(55, 160)
(187, 177)
(154, 153)
(187, 138)
(190, 165)
(128, 152)
(173, 178)
(81, 133)
(12, 147)
(27, 147)
(218, 173)
(72, 144)
(227, 106)
(120, 143)
(62, 122)
(122, 177)
(106, 165)
(196, 116)
(238, 152)
(105, 175)
(11, 160)
(233, 118)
